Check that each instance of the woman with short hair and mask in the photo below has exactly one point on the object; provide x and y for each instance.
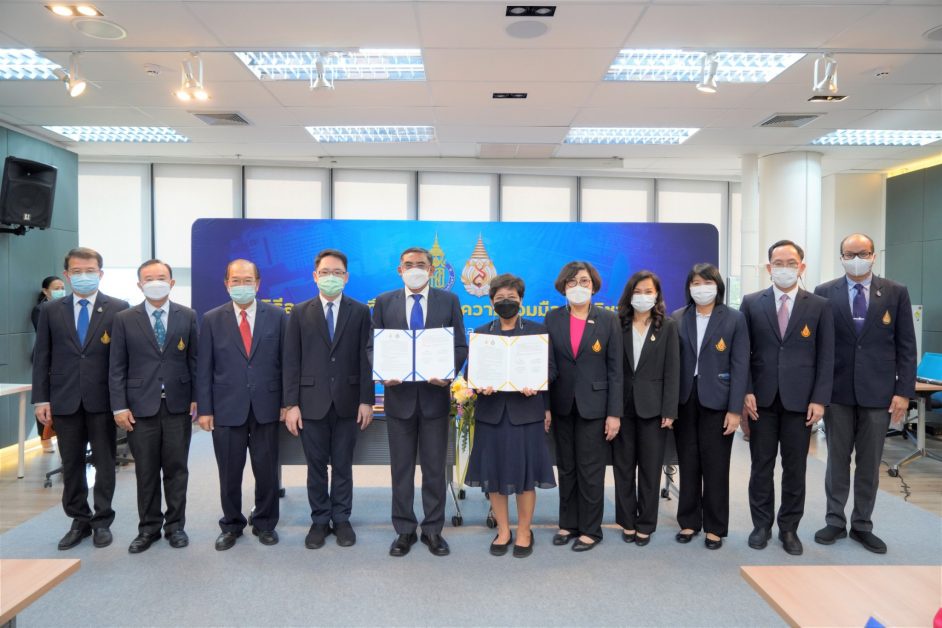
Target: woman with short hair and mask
(585, 401)
(652, 373)
(510, 455)
(53, 289)
(714, 371)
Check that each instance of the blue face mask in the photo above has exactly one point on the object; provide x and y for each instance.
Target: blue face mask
(242, 295)
(86, 283)
(57, 294)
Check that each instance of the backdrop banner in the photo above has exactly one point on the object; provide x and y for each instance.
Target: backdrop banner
(466, 256)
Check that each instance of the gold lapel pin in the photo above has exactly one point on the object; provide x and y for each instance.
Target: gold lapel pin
(721, 345)
(597, 346)
(180, 345)
(105, 338)
(886, 318)
(805, 332)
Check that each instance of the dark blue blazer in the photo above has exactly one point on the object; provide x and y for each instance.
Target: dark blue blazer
(139, 367)
(229, 382)
(444, 310)
(798, 368)
(652, 386)
(65, 373)
(319, 373)
(592, 378)
(520, 409)
(724, 358)
(869, 369)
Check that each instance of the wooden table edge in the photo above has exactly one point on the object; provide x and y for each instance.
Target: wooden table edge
(10, 613)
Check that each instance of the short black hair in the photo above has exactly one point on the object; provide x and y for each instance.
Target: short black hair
(154, 262)
(801, 251)
(417, 249)
(330, 253)
(244, 261)
(873, 247)
(710, 273)
(507, 281)
(571, 269)
(82, 252)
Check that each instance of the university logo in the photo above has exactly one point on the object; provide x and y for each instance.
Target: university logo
(478, 271)
(443, 275)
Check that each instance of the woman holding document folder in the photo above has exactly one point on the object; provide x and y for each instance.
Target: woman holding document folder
(509, 455)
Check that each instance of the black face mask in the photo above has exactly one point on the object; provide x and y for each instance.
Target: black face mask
(506, 308)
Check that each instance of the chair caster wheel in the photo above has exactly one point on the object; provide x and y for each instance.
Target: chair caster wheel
(491, 522)
(457, 520)
(665, 493)
(47, 484)
(281, 492)
(893, 473)
(461, 494)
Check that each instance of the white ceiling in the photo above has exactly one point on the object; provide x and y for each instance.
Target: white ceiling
(468, 55)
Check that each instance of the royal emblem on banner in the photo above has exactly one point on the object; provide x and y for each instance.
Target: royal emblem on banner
(443, 273)
(478, 271)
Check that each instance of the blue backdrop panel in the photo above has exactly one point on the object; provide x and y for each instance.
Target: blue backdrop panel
(466, 254)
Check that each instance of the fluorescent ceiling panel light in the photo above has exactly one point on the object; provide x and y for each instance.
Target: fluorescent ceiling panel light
(366, 64)
(23, 64)
(682, 65)
(142, 134)
(628, 135)
(371, 134)
(868, 137)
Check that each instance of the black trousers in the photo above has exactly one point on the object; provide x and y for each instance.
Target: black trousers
(777, 428)
(703, 456)
(330, 440)
(427, 436)
(639, 446)
(161, 443)
(580, 463)
(260, 440)
(76, 432)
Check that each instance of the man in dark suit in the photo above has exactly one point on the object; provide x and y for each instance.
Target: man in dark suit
(70, 389)
(417, 412)
(791, 338)
(328, 393)
(153, 396)
(239, 399)
(874, 379)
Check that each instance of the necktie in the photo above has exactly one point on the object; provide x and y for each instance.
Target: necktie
(783, 315)
(330, 320)
(82, 325)
(416, 320)
(159, 330)
(860, 308)
(246, 332)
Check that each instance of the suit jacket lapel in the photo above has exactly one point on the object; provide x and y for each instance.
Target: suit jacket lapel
(588, 333)
(68, 318)
(716, 319)
(628, 341)
(232, 328)
(398, 316)
(841, 296)
(143, 321)
(320, 321)
(800, 303)
(95, 318)
(342, 315)
(649, 341)
(690, 327)
(876, 308)
(177, 330)
(769, 305)
(259, 327)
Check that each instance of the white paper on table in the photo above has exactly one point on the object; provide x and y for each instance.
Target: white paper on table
(392, 355)
(508, 362)
(434, 353)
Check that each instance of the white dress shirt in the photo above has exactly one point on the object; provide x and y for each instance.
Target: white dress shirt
(249, 314)
(336, 307)
(165, 317)
(637, 343)
(410, 303)
(702, 321)
(78, 308)
(790, 304)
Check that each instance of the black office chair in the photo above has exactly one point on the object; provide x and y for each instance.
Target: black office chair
(123, 457)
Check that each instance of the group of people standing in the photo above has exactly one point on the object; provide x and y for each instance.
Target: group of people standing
(618, 382)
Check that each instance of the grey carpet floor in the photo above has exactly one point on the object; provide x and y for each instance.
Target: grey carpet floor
(663, 584)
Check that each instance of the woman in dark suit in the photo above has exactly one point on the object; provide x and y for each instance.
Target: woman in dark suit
(652, 371)
(714, 354)
(510, 455)
(52, 288)
(586, 402)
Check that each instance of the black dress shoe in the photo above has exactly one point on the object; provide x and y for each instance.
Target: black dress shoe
(629, 537)
(641, 541)
(73, 538)
(178, 539)
(713, 544)
(142, 542)
(759, 538)
(562, 539)
(437, 545)
(828, 534)
(402, 544)
(316, 536)
(522, 552)
(346, 537)
(266, 537)
(680, 537)
(499, 549)
(226, 540)
(791, 542)
(101, 537)
(869, 540)
(581, 546)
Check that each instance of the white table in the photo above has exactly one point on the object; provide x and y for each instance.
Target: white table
(22, 390)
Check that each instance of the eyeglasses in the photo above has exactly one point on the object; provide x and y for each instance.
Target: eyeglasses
(72, 272)
(849, 255)
(234, 281)
(419, 265)
(793, 265)
(585, 282)
(328, 273)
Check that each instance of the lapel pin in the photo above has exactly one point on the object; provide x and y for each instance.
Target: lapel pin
(653, 338)
(886, 318)
(805, 332)
(597, 346)
(100, 309)
(721, 345)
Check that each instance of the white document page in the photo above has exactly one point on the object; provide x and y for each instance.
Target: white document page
(434, 353)
(392, 355)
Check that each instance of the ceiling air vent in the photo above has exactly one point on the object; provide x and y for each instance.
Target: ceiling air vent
(789, 120)
(221, 119)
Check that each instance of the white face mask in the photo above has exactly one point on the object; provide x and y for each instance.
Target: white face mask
(643, 302)
(415, 278)
(156, 290)
(703, 294)
(577, 295)
(857, 267)
(784, 278)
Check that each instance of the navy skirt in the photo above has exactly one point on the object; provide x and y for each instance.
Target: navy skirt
(510, 459)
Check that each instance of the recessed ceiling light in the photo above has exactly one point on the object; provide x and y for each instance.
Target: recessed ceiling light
(518, 10)
(870, 137)
(365, 64)
(827, 98)
(371, 134)
(682, 66)
(61, 10)
(20, 64)
(509, 95)
(628, 135)
(97, 28)
(140, 134)
(88, 10)
(71, 10)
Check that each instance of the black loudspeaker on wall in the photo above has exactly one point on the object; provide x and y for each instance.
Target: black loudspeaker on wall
(27, 194)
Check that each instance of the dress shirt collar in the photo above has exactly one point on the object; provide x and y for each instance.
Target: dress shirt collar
(249, 311)
(423, 292)
(791, 292)
(90, 298)
(150, 309)
(865, 283)
(325, 301)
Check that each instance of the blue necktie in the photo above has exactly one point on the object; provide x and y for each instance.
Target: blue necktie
(330, 320)
(82, 326)
(860, 308)
(416, 321)
(159, 330)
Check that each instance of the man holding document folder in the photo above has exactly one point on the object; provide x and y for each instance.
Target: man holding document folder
(417, 401)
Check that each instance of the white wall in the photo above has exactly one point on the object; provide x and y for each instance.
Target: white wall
(851, 203)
